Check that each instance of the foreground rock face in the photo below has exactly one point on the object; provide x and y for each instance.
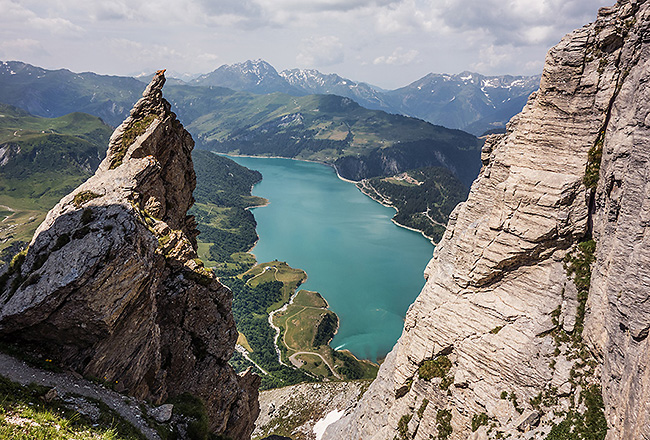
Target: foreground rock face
(494, 343)
(111, 285)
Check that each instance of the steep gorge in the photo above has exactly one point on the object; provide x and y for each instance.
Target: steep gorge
(494, 345)
(111, 285)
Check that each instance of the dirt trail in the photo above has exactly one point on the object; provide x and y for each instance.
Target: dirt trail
(293, 359)
(66, 383)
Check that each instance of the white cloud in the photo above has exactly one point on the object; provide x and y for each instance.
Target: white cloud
(16, 48)
(494, 36)
(399, 57)
(14, 14)
(320, 51)
(112, 11)
(518, 22)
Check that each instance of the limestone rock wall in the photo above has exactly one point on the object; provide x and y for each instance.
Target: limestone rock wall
(111, 285)
(499, 304)
(619, 320)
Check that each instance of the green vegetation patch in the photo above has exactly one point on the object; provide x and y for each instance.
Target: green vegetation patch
(592, 425)
(496, 329)
(223, 196)
(46, 159)
(193, 409)
(326, 329)
(403, 426)
(83, 197)
(431, 368)
(479, 420)
(25, 415)
(137, 128)
(352, 368)
(594, 158)
(443, 424)
(15, 265)
(423, 407)
(250, 304)
(425, 206)
(579, 264)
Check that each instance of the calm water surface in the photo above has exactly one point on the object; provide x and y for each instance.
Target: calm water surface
(368, 269)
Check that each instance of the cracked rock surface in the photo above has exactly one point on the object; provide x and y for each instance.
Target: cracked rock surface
(497, 287)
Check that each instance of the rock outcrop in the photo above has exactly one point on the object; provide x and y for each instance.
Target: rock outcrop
(111, 285)
(494, 345)
(297, 411)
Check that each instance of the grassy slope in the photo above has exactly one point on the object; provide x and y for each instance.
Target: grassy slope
(44, 159)
(53, 93)
(222, 194)
(25, 415)
(325, 128)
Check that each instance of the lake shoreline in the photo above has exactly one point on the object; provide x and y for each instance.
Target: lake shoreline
(331, 165)
(365, 342)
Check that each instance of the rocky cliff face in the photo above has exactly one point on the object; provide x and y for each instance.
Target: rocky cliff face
(111, 285)
(503, 338)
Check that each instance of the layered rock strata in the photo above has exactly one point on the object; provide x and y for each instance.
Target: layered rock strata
(111, 285)
(494, 345)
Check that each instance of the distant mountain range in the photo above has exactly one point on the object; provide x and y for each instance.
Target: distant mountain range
(53, 93)
(361, 143)
(41, 157)
(468, 101)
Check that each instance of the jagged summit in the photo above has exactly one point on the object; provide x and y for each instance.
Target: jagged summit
(111, 285)
(252, 76)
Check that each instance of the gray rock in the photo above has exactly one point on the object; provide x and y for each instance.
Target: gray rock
(51, 395)
(528, 419)
(109, 286)
(162, 413)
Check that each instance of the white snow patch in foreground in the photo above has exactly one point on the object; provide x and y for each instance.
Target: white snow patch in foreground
(322, 424)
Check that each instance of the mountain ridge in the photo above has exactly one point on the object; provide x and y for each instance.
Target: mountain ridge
(485, 99)
(116, 94)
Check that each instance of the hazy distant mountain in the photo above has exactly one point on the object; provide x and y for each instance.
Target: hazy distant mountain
(172, 78)
(468, 101)
(250, 76)
(329, 128)
(52, 93)
(42, 159)
(311, 81)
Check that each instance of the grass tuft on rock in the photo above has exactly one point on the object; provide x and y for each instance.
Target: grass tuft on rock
(83, 197)
(438, 367)
(129, 136)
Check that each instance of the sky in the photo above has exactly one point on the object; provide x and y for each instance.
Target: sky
(387, 43)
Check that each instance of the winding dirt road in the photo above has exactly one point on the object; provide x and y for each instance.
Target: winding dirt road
(295, 361)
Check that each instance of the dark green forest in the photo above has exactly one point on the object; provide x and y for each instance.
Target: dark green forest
(425, 206)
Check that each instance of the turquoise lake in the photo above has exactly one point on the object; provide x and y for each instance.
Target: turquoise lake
(368, 269)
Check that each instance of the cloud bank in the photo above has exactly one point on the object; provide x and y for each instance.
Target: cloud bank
(386, 42)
